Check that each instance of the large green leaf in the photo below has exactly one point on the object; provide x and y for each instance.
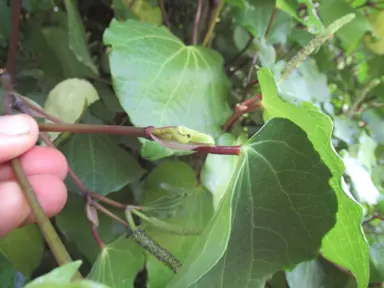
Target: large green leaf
(351, 33)
(345, 244)
(282, 207)
(118, 263)
(58, 275)
(68, 100)
(196, 210)
(72, 221)
(100, 163)
(5, 22)
(256, 15)
(292, 6)
(61, 277)
(160, 82)
(52, 46)
(7, 272)
(24, 260)
(76, 36)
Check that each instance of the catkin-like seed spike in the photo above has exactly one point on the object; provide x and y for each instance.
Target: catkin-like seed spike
(316, 42)
(161, 254)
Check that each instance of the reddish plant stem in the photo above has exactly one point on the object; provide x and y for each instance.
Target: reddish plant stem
(249, 105)
(197, 22)
(271, 20)
(96, 236)
(107, 201)
(128, 131)
(14, 38)
(82, 188)
(244, 107)
(221, 150)
(108, 213)
(91, 129)
(250, 84)
(164, 13)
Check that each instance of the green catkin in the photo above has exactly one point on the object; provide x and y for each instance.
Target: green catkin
(315, 43)
(161, 254)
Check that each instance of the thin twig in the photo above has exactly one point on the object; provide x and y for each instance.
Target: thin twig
(242, 108)
(164, 13)
(14, 38)
(97, 196)
(249, 105)
(371, 106)
(241, 52)
(108, 213)
(197, 21)
(238, 67)
(250, 72)
(254, 59)
(271, 20)
(374, 217)
(371, 85)
(143, 132)
(212, 23)
(76, 179)
(90, 129)
(97, 237)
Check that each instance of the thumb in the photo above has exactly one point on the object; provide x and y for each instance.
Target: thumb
(18, 134)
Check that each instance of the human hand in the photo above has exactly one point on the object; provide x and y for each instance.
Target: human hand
(45, 167)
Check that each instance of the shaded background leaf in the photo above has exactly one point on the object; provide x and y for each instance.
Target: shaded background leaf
(100, 163)
(23, 260)
(194, 212)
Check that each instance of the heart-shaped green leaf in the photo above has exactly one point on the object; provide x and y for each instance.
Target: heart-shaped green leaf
(118, 263)
(282, 206)
(161, 82)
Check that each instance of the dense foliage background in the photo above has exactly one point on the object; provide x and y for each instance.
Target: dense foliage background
(301, 206)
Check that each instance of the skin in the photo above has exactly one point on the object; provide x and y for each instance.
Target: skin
(45, 167)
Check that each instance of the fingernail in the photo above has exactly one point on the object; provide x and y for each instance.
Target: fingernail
(15, 125)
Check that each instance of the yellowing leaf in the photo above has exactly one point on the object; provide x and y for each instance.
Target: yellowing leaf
(377, 22)
(68, 100)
